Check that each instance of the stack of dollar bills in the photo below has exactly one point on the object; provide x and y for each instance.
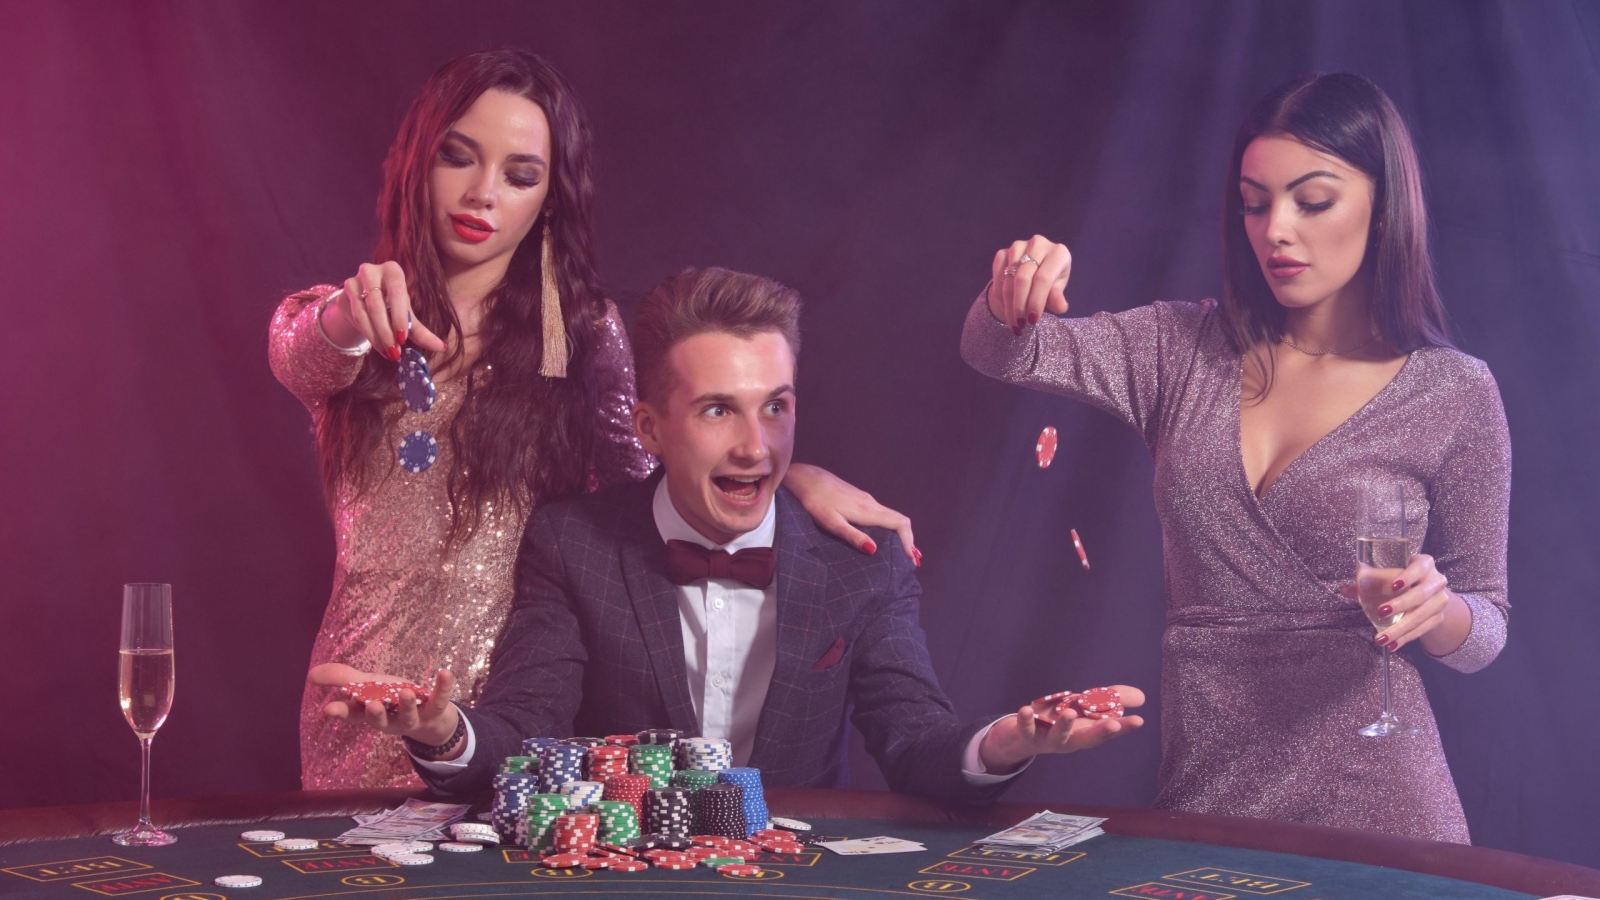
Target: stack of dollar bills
(1044, 833)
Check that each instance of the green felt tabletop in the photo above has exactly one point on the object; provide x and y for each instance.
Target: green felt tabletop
(1106, 866)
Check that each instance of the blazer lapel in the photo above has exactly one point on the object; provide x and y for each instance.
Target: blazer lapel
(655, 604)
(802, 614)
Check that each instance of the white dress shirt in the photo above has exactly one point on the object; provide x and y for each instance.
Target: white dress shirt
(730, 645)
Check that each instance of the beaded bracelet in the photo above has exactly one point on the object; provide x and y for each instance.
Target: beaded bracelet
(417, 748)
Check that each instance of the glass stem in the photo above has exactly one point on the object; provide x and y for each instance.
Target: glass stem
(144, 773)
(1386, 712)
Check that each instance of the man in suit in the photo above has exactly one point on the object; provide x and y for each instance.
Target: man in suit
(706, 600)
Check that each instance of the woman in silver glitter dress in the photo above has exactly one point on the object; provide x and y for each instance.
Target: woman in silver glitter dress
(485, 265)
(1325, 366)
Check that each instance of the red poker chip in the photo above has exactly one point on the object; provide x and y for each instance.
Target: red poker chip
(385, 692)
(711, 840)
(741, 848)
(616, 850)
(1045, 449)
(1099, 697)
(740, 871)
(600, 862)
(628, 865)
(563, 861)
(774, 833)
(662, 852)
(699, 853)
(784, 847)
(676, 865)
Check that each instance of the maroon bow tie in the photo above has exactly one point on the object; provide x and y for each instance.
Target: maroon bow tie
(688, 561)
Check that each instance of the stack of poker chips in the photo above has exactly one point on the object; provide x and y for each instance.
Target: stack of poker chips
(630, 790)
(607, 761)
(576, 833)
(654, 760)
(692, 780)
(512, 791)
(755, 797)
(585, 742)
(719, 810)
(663, 736)
(622, 740)
(619, 823)
(535, 745)
(543, 811)
(705, 754)
(560, 764)
(581, 793)
(667, 811)
(526, 764)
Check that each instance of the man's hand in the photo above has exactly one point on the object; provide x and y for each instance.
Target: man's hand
(428, 723)
(1016, 739)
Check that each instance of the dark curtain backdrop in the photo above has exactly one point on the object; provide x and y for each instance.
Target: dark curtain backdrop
(171, 169)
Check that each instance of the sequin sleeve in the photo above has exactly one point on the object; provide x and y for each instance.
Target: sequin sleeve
(618, 456)
(1110, 361)
(301, 358)
(1470, 502)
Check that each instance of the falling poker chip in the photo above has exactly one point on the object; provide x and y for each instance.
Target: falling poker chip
(415, 382)
(264, 835)
(1044, 450)
(418, 451)
(237, 881)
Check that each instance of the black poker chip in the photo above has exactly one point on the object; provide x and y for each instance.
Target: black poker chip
(415, 381)
(418, 452)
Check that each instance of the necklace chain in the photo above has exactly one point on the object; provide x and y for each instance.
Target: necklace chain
(1285, 339)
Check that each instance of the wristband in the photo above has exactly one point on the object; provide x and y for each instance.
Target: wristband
(418, 749)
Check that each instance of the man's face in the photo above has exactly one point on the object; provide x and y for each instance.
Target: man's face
(725, 432)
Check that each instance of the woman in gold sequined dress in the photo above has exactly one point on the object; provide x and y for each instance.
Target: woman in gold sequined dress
(484, 264)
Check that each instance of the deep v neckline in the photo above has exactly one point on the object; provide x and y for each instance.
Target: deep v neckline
(1238, 429)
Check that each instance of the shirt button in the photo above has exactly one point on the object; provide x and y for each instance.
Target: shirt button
(717, 680)
(717, 603)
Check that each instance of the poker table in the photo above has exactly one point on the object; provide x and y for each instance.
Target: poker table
(64, 852)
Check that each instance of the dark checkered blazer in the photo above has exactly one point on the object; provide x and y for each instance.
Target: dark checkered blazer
(594, 646)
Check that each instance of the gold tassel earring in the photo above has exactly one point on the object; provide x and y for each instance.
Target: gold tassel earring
(555, 330)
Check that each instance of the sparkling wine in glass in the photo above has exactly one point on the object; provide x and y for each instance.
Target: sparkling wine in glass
(1382, 552)
(144, 686)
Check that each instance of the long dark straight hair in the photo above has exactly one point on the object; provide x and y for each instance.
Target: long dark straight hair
(519, 437)
(1349, 117)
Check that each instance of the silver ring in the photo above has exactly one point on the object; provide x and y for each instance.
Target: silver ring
(369, 290)
(1011, 271)
(1026, 259)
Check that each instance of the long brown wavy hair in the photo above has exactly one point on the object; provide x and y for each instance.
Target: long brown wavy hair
(1347, 116)
(519, 437)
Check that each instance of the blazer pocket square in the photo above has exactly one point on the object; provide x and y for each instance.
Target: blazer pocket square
(831, 658)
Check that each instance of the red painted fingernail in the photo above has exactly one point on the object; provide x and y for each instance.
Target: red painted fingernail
(1385, 611)
(916, 556)
(393, 353)
(1381, 639)
(1398, 584)
(400, 337)
(868, 547)
(1021, 323)
(1033, 318)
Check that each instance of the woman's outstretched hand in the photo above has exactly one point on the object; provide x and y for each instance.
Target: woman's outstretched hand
(1027, 279)
(374, 306)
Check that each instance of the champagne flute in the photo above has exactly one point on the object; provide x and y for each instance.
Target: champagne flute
(144, 684)
(1382, 552)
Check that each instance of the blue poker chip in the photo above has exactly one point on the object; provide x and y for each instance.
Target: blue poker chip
(415, 382)
(418, 451)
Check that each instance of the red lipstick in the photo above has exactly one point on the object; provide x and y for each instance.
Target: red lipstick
(1286, 266)
(471, 228)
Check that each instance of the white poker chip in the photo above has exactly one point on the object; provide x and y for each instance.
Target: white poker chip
(410, 859)
(239, 881)
(295, 844)
(460, 847)
(262, 836)
(791, 824)
(395, 848)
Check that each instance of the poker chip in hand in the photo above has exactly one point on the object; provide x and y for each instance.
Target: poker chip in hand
(1095, 703)
(386, 692)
